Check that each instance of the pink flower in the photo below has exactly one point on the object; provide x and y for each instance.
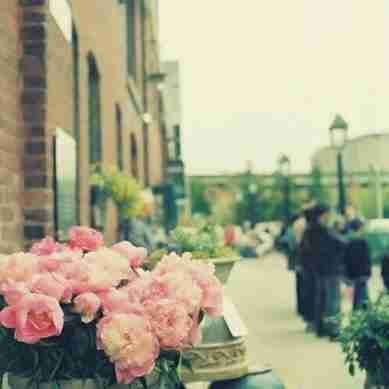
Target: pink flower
(146, 288)
(34, 317)
(54, 261)
(113, 300)
(129, 343)
(212, 293)
(87, 304)
(173, 263)
(20, 267)
(46, 247)
(14, 291)
(85, 238)
(181, 286)
(135, 255)
(106, 269)
(171, 323)
(53, 285)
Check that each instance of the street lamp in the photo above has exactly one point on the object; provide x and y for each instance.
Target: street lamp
(338, 136)
(285, 167)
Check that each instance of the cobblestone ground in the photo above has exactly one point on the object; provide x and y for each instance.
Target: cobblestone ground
(263, 291)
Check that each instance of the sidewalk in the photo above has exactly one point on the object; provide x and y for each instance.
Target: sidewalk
(263, 291)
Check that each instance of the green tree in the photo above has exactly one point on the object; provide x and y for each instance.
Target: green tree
(200, 202)
(317, 191)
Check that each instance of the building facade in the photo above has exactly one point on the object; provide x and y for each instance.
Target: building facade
(87, 70)
(360, 155)
(173, 127)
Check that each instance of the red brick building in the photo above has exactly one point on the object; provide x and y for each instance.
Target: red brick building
(86, 69)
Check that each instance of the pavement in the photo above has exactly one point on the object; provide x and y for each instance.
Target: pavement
(264, 293)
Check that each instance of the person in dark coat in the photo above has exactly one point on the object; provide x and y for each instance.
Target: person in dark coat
(305, 273)
(385, 271)
(357, 262)
(326, 263)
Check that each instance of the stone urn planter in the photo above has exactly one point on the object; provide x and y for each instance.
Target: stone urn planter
(223, 267)
(220, 356)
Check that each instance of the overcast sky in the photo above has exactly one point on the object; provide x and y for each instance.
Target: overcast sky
(260, 78)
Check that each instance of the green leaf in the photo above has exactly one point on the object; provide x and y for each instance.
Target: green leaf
(143, 381)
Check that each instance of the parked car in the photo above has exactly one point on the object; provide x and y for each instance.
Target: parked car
(377, 234)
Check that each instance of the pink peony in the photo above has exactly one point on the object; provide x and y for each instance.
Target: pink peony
(85, 238)
(212, 292)
(46, 247)
(113, 300)
(171, 323)
(87, 304)
(34, 317)
(173, 263)
(54, 261)
(53, 285)
(75, 273)
(135, 255)
(146, 288)
(106, 269)
(20, 267)
(14, 291)
(181, 286)
(128, 341)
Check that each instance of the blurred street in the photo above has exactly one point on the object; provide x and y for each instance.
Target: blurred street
(263, 291)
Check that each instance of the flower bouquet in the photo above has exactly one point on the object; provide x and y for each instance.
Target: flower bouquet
(84, 312)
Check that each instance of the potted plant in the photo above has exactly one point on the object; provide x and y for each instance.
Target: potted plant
(122, 189)
(83, 315)
(204, 243)
(365, 342)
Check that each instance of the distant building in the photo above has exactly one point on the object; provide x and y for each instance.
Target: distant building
(360, 155)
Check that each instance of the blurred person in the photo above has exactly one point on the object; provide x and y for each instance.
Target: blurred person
(352, 220)
(385, 271)
(358, 266)
(298, 227)
(326, 251)
(305, 274)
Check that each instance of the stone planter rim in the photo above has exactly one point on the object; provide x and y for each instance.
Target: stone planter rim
(221, 260)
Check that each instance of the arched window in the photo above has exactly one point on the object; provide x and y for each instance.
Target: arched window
(134, 157)
(95, 134)
(119, 137)
(131, 34)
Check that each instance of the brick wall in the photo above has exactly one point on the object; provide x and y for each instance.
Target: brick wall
(11, 132)
(109, 48)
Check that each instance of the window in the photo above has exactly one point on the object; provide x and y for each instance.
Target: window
(131, 38)
(177, 141)
(95, 141)
(76, 111)
(119, 137)
(134, 168)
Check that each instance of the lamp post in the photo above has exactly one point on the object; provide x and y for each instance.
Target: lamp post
(338, 136)
(284, 167)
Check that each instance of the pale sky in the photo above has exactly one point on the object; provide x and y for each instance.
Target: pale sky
(260, 78)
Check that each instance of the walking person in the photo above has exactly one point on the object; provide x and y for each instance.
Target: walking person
(326, 250)
(358, 267)
(305, 270)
